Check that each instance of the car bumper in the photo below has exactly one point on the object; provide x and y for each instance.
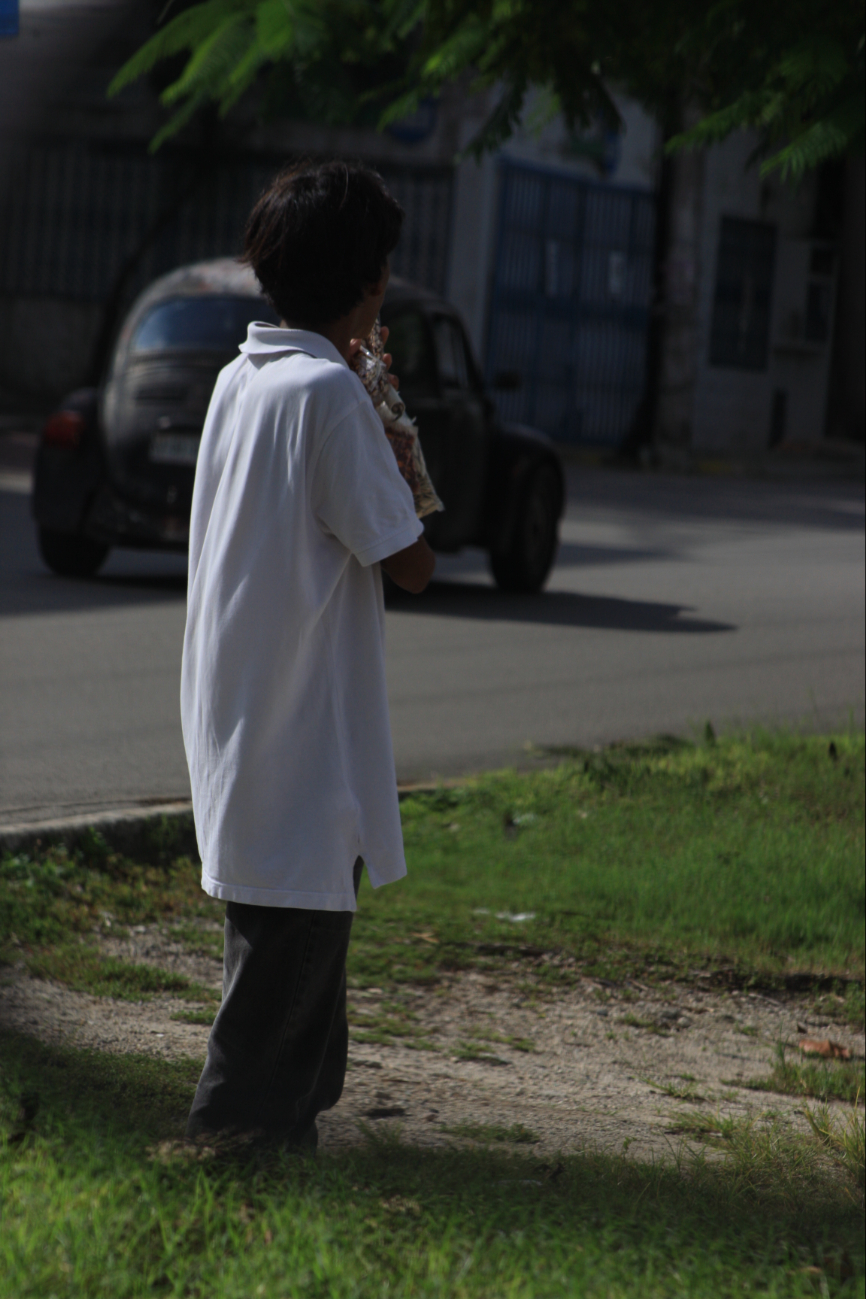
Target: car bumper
(116, 522)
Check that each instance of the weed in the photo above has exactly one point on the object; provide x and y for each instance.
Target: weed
(389, 1023)
(825, 1080)
(199, 938)
(650, 1025)
(203, 1017)
(843, 1138)
(703, 1127)
(504, 1039)
(678, 1093)
(475, 1051)
(83, 967)
(844, 1004)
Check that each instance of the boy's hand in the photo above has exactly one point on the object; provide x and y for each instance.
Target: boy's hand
(357, 343)
(413, 567)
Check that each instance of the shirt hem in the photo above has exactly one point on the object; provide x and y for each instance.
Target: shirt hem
(253, 897)
(303, 901)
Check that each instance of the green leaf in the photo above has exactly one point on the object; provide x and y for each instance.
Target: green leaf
(211, 64)
(274, 28)
(185, 32)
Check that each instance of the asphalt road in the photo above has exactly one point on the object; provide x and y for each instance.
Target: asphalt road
(674, 601)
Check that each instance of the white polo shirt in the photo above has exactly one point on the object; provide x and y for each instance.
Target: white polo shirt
(285, 714)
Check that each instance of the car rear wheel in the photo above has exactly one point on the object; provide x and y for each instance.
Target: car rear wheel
(69, 554)
(525, 565)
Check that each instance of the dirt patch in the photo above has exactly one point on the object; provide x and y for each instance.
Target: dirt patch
(588, 1065)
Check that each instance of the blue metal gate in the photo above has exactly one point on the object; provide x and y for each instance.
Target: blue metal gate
(570, 303)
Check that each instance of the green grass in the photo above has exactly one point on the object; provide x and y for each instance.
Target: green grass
(646, 861)
(684, 1090)
(203, 1017)
(735, 862)
(391, 1022)
(85, 969)
(844, 1139)
(100, 1198)
(703, 1127)
(649, 1025)
(826, 1080)
(54, 907)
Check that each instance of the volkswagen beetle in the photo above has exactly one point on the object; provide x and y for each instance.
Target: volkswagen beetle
(115, 464)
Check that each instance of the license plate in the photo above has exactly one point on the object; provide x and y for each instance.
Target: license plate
(175, 448)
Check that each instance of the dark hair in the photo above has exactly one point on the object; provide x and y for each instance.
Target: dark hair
(319, 237)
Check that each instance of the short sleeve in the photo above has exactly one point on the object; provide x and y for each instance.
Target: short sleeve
(358, 493)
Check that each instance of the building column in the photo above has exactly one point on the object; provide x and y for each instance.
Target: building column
(679, 343)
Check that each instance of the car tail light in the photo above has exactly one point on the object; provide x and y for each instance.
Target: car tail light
(64, 429)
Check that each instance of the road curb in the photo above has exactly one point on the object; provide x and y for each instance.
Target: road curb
(124, 829)
(131, 830)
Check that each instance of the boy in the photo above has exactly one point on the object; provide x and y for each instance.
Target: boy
(297, 502)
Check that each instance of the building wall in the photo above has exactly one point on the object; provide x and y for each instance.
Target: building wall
(747, 409)
(846, 405)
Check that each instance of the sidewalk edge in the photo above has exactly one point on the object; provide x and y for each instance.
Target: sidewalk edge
(123, 828)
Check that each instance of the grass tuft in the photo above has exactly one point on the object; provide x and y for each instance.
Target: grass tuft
(844, 1138)
(825, 1080)
(83, 968)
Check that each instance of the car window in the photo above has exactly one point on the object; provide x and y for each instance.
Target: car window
(454, 368)
(207, 323)
(410, 345)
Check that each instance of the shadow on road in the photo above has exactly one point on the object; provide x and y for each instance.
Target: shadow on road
(41, 592)
(572, 555)
(26, 586)
(553, 608)
(627, 496)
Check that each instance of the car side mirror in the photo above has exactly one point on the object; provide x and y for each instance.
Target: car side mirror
(507, 381)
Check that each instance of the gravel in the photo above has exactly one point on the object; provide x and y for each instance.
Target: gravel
(593, 1079)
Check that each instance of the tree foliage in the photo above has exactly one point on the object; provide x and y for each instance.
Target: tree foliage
(791, 70)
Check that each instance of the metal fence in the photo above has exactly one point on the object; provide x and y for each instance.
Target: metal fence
(78, 214)
(570, 303)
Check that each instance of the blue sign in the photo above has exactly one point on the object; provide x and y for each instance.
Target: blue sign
(8, 17)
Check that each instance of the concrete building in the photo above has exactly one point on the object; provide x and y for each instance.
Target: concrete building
(767, 306)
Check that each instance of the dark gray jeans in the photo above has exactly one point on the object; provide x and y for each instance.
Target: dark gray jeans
(277, 1051)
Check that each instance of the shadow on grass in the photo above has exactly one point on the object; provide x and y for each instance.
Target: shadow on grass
(588, 1224)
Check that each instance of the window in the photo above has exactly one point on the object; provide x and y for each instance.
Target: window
(451, 353)
(207, 323)
(744, 281)
(409, 344)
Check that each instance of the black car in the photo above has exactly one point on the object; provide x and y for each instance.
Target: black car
(115, 465)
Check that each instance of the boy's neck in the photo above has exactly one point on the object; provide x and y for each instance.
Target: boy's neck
(339, 332)
(356, 324)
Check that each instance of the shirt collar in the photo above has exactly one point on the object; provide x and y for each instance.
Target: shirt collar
(271, 340)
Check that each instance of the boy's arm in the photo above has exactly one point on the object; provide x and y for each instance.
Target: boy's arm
(411, 568)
